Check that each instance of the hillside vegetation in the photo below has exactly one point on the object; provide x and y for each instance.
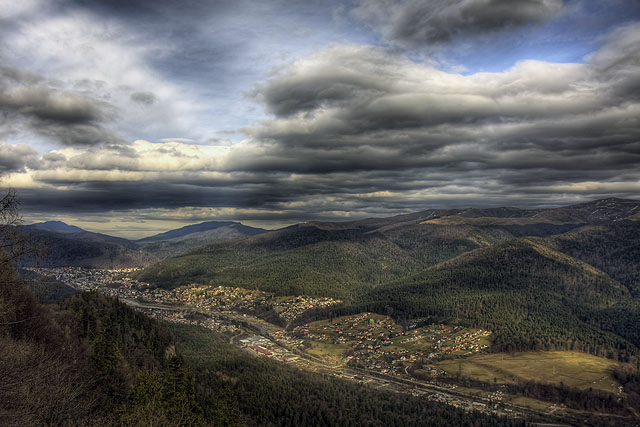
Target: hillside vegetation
(532, 297)
(89, 361)
(81, 249)
(343, 260)
(274, 394)
(319, 261)
(613, 248)
(571, 285)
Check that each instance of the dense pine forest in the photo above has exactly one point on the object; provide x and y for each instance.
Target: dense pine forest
(90, 360)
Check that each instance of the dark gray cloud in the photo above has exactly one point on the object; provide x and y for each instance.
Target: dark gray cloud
(50, 105)
(348, 131)
(45, 108)
(360, 129)
(416, 23)
(353, 108)
(14, 158)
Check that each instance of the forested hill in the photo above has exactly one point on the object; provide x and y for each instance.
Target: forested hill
(315, 259)
(614, 248)
(49, 248)
(88, 361)
(533, 298)
(343, 259)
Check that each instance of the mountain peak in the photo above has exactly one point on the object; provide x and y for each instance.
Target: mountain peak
(57, 226)
(198, 228)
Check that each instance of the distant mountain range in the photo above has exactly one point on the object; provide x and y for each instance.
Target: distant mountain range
(61, 244)
(338, 258)
(185, 239)
(318, 252)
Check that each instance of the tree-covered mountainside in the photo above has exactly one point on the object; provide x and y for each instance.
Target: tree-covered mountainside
(323, 261)
(532, 297)
(46, 289)
(344, 260)
(82, 249)
(613, 248)
(88, 361)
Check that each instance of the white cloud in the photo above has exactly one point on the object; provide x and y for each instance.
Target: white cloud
(83, 55)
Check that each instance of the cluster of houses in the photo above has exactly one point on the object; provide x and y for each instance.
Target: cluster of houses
(241, 300)
(118, 284)
(291, 308)
(224, 298)
(85, 279)
(378, 343)
(185, 317)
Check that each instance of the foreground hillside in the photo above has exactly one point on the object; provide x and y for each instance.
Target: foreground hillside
(88, 361)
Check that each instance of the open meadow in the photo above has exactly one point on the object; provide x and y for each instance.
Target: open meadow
(574, 369)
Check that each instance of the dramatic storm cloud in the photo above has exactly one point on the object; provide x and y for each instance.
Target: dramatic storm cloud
(143, 115)
(418, 22)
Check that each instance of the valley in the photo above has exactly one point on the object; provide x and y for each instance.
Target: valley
(344, 213)
(373, 350)
(524, 314)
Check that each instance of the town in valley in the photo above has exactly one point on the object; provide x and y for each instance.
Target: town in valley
(368, 348)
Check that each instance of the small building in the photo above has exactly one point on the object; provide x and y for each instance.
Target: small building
(261, 350)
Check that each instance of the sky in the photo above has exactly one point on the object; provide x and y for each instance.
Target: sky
(134, 117)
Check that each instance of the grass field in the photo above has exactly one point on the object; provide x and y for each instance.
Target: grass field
(574, 369)
(326, 349)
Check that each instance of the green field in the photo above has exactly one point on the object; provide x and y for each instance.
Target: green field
(573, 369)
(324, 349)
